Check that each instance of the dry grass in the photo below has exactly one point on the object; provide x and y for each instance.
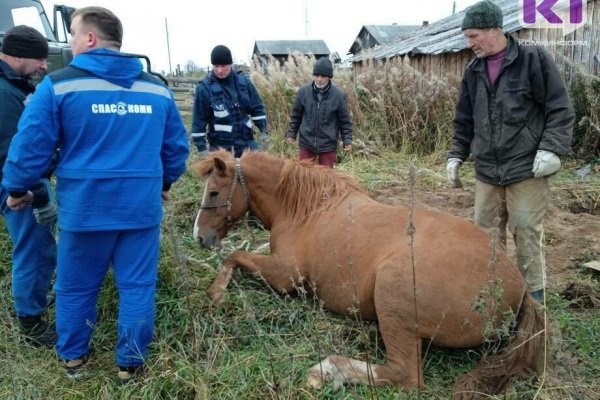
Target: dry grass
(392, 105)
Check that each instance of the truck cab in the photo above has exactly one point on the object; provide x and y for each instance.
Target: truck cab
(32, 13)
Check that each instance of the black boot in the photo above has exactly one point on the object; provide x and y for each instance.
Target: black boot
(128, 374)
(38, 332)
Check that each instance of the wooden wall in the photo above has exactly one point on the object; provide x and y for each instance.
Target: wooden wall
(579, 49)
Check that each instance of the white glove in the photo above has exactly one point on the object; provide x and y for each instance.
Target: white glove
(45, 215)
(452, 168)
(203, 154)
(263, 141)
(545, 163)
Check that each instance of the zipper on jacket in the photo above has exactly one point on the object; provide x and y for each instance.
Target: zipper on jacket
(491, 90)
(319, 99)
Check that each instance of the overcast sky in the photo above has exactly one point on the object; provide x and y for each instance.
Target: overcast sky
(195, 27)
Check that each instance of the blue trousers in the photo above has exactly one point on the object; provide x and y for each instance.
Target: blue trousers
(83, 260)
(238, 147)
(33, 257)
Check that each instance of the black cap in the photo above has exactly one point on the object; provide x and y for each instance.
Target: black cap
(221, 55)
(323, 67)
(24, 42)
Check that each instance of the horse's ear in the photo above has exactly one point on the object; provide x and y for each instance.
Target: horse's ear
(220, 166)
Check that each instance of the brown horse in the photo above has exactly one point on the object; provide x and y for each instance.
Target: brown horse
(423, 275)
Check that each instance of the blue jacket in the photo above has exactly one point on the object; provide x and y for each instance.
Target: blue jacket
(225, 110)
(121, 137)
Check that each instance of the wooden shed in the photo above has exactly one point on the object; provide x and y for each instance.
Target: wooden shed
(440, 48)
(371, 36)
(281, 49)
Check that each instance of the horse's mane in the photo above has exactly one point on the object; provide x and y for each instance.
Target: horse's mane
(305, 188)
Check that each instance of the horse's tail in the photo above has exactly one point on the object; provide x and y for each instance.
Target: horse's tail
(522, 353)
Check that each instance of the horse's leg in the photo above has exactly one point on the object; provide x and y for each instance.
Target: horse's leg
(402, 366)
(281, 273)
(403, 347)
(395, 307)
(217, 288)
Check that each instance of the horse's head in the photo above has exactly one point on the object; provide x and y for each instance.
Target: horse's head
(225, 198)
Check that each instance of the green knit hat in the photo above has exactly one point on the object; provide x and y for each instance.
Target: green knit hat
(484, 14)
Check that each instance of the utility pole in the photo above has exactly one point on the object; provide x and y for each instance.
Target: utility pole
(453, 7)
(168, 47)
(306, 19)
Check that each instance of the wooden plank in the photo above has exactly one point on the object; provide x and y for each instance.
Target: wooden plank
(594, 21)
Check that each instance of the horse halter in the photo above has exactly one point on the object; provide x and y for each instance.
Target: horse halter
(237, 176)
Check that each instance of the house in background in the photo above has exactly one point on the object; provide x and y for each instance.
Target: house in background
(281, 49)
(371, 36)
(440, 48)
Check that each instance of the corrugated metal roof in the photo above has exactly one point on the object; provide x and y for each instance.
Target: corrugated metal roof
(380, 34)
(285, 47)
(442, 36)
(386, 33)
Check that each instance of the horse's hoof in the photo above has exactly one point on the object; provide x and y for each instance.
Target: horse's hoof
(216, 296)
(314, 380)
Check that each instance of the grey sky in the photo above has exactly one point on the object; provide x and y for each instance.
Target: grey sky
(196, 27)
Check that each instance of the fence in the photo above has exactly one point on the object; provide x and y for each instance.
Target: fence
(183, 91)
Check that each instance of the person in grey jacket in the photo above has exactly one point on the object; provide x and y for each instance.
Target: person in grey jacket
(320, 116)
(515, 116)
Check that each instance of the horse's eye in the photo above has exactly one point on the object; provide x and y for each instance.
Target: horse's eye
(214, 194)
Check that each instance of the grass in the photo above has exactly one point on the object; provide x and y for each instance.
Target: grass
(259, 344)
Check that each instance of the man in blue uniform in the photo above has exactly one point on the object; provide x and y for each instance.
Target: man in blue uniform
(24, 53)
(226, 108)
(123, 144)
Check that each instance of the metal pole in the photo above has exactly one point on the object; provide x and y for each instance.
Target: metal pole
(168, 46)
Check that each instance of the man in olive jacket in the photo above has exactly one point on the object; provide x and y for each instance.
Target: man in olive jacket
(515, 116)
(320, 116)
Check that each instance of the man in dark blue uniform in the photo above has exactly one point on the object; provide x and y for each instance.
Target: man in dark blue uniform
(24, 53)
(226, 108)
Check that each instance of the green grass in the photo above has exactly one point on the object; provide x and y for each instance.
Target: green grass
(259, 344)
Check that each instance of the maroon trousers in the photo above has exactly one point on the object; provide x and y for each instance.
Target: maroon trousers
(327, 159)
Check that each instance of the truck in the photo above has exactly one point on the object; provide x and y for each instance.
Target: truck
(32, 13)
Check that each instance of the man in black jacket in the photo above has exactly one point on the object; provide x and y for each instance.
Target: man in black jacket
(320, 115)
(515, 116)
(24, 53)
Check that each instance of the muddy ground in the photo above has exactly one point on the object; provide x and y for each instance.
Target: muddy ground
(572, 223)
